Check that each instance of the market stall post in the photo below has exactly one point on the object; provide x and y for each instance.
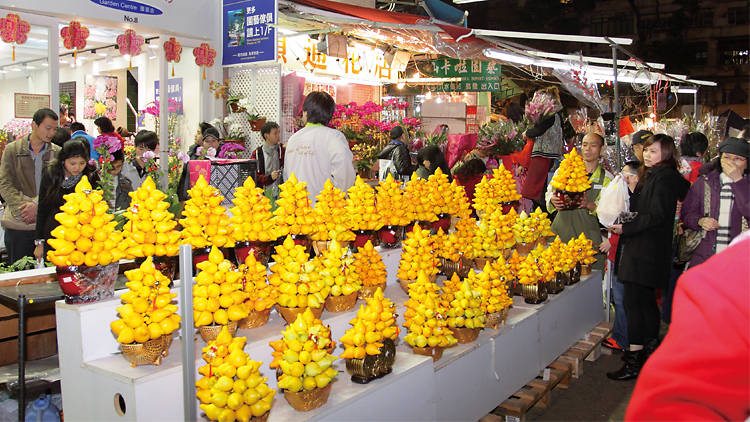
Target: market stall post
(187, 331)
(53, 59)
(616, 109)
(163, 117)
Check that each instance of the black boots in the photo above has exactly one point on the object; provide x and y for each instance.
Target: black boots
(631, 368)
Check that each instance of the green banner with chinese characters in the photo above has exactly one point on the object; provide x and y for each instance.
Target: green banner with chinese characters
(476, 75)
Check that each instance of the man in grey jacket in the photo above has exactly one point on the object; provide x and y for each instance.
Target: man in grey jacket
(20, 175)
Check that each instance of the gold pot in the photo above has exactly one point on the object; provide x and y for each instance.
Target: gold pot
(495, 319)
(254, 319)
(586, 269)
(368, 291)
(308, 400)
(524, 249)
(535, 292)
(210, 332)
(148, 353)
(435, 352)
(373, 366)
(557, 284)
(465, 335)
(290, 314)
(341, 303)
(460, 267)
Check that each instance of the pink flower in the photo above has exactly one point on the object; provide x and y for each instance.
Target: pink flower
(211, 152)
(149, 155)
(183, 157)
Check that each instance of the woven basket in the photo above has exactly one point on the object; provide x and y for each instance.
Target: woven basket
(368, 291)
(210, 332)
(148, 353)
(585, 269)
(254, 319)
(290, 314)
(524, 249)
(261, 418)
(496, 319)
(341, 303)
(534, 293)
(465, 335)
(436, 352)
(308, 400)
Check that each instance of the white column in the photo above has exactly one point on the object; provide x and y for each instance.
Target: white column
(163, 117)
(53, 57)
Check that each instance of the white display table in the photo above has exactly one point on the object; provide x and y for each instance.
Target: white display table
(465, 384)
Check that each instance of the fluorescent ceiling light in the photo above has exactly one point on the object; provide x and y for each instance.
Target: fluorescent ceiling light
(684, 90)
(601, 60)
(466, 1)
(16, 69)
(3, 71)
(431, 80)
(508, 57)
(552, 37)
(45, 64)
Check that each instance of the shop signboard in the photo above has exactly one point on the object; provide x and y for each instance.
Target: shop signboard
(25, 105)
(174, 94)
(475, 75)
(248, 34)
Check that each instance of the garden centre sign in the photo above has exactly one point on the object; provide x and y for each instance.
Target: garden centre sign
(476, 75)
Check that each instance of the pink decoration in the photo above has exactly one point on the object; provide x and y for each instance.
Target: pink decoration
(204, 56)
(130, 43)
(74, 37)
(172, 50)
(13, 30)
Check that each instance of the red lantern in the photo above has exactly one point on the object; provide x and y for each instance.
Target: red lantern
(204, 56)
(74, 37)
(13, 30)
(130, 43)
(172, 50)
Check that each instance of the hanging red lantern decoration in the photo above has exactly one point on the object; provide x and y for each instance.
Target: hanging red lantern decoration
(172, 50)
(13, 30)
(130, 43)
(74, 37)
(204, 56)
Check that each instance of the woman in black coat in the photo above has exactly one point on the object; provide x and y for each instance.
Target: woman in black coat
(398, 153)
(646, 249)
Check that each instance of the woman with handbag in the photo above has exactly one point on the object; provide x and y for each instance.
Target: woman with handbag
(646, 249)
(717, 207)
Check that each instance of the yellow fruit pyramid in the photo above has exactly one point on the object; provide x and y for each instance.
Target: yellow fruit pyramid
(583, 249)
(297, 279)
(425, 316)
(260, 294)
(373, 324)
(530, 270)
(463, 237)
(444, 246)
(218, 296)
(331, 216)
(571, 176)
(390, 203)
(304, 355)
(492, 193)
(418, 255)
(368, 266)
(360, 207)
(205, 222)
(465, 304)
(417, 197)
(561, 255)
(232, 387)
(294, 214)
(150, 228)
(147, 312)
(503, 227)
(86, 234)
(439, 191)
(458, 202)
(251, 214)
(334, 268)
(545, 262)
(491, 282)
(529, 228)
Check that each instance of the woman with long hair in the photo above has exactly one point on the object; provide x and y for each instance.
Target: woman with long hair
(58, 179)
(646, 249)
(429, 159)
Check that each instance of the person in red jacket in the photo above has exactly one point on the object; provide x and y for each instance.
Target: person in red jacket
(701, 371)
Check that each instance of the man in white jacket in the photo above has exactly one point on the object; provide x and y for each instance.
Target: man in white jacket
(316, 152)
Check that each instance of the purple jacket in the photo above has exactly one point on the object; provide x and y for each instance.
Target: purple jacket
(692, 209)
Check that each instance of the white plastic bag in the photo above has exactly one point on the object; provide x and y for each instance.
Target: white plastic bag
(614, 199)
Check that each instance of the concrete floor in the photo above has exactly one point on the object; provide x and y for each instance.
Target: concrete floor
(592, 397)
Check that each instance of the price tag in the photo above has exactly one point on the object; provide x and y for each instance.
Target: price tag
(546, 375)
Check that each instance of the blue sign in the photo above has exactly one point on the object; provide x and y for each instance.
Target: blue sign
(129, 6)
(247, 35)
(174, 94)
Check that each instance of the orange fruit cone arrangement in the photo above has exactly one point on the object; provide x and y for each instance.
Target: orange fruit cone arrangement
(334, 268)
(492, 286)
(444, 246)
(147, 312)
(150, 228)
(465, 304)
(492, 192)
(331, 215)
(390, 203)
(218, 296)
(529, 228)
(304, 355)
(458, 203)
(251, 214)
(297, 279)
(463, 237)
(417, 197)
(260, 294)
(440, 192)
(232, 387)
(571, 176)
(368, 266)
(86, 234)
(294, 214)
(205, 222)
(561, 255)
(360, 206)
(417, 255)
(373, 324)
(583, 249)
(425, 316)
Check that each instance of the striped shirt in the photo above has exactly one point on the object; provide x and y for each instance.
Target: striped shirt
(725, 208)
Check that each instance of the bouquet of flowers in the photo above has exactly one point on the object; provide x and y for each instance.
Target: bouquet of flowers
(230, 150)
(542, 105)
(105, 145)
(501, 138)
(17, 128)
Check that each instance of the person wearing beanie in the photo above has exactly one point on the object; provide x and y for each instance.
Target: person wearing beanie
(398, 153)
(724, 183)
(637, 141)
(692, 149)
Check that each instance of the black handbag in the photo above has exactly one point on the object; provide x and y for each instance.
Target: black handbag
(689, 240)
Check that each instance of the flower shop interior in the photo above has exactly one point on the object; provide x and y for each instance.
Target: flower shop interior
(447, 85)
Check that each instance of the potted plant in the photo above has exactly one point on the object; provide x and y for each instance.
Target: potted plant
(233, 103)
(256, 121)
